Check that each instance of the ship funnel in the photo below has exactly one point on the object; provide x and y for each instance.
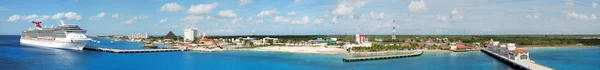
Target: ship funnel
(37, 24)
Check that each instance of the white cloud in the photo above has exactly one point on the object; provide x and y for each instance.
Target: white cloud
(267, 13)
(14, 18)
(319, 21)
(221, 20)
(171, 7)
(291, 13)
(249, 19)
(569, 3)
(202, 9)
(580, 16)
(304, 20)
(101, 15)
(535, 16)
(116, 16)
(259, 21)
(456, 15)
(36, 17)
(234, 21)
(244, 2)
(67, 16)
(297, 1)
(33, 17)
(195, 19)
(377, 16)
(335, 20)
(164, 20)
(487, 29)
(594, 4)
(442, 18)
(417, 6)
(383, 26)
(134, 19)
(365, 19)
(279, 19)
(227, 14)
(347, 8)
(342, 10)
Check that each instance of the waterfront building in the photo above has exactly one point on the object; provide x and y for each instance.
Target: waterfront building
(189, 34)
(360, 38)
(138, 36)
(519, 55)
(508, 50)
(266, 40)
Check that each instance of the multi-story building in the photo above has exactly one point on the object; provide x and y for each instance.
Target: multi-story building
(138, 36)
(190, 34)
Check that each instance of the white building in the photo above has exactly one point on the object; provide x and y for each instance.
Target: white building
(190, 34)
(138, 36)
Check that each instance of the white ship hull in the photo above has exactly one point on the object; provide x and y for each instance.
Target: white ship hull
(72, 45)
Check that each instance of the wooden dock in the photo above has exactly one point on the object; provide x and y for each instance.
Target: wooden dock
(131, 51)
(520, 65)
(416, 53)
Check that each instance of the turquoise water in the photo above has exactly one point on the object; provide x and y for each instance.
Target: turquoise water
(568, 58)
(16, 57)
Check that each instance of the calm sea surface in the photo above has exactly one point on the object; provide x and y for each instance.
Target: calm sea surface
(13, 56)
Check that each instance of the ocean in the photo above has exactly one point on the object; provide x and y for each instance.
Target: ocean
(14, 56)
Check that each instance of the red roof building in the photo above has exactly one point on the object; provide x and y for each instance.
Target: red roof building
(462, 47)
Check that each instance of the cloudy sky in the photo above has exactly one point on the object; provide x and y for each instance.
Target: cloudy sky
(307, 17)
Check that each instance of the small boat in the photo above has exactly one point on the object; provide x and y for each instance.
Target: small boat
(149, 46)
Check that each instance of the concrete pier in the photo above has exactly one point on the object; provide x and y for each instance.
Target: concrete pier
(416, 53)
(131, 51)
(520, 65)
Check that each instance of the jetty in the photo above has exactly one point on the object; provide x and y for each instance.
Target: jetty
(521, 65)
(131, 51)
(351, 59)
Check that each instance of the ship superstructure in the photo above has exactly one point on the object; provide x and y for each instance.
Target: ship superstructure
(62, 36)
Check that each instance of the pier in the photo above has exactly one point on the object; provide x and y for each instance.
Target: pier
(416, 53)
(521, 65)
(131, 51)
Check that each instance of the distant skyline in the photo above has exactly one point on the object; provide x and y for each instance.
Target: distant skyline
(307, 17)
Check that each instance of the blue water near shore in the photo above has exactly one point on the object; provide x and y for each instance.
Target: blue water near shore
(13, 56)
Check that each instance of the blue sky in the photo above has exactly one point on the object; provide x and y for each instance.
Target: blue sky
(307, 17)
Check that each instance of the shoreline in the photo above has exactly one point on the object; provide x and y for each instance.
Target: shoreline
(553, 47)
(324, 50)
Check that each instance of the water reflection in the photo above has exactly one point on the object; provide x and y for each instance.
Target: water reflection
(53, 58)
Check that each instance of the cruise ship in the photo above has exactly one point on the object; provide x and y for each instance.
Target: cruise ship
(62, 37)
